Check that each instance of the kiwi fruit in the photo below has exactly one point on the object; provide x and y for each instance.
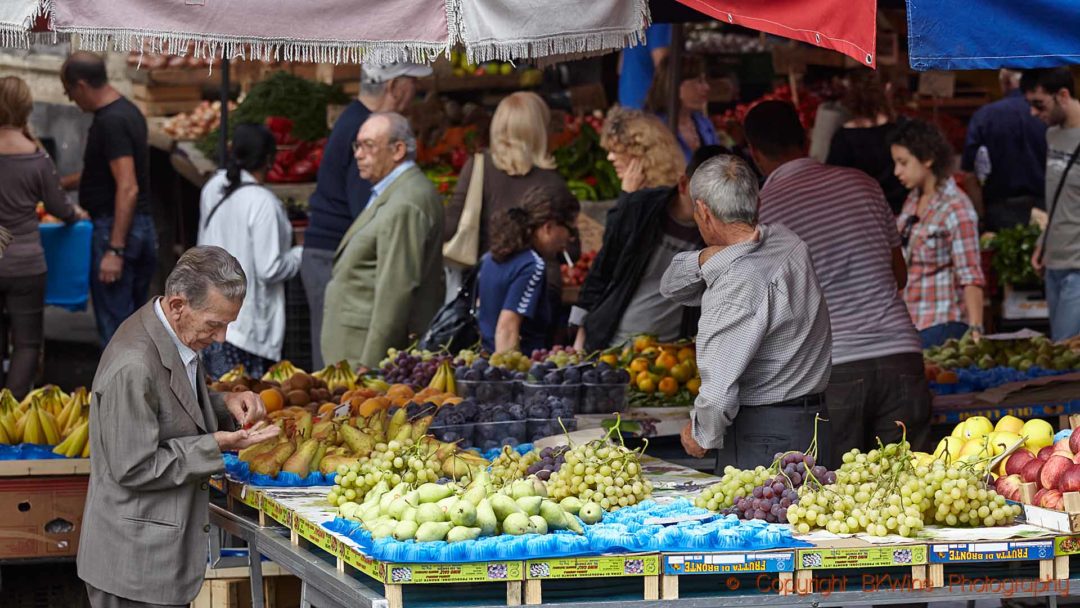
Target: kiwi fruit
(318, 382)
(298, 397)
(340, 390)
(320, 395)
(301, 381)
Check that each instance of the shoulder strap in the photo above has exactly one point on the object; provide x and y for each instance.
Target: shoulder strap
(206, 222)
(1057, 195)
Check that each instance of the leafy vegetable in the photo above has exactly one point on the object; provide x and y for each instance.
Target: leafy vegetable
(1011, 261)
(281, 94)
(584, 158)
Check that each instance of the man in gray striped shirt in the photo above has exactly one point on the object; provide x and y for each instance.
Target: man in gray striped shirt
(842, 216)
(763, 343)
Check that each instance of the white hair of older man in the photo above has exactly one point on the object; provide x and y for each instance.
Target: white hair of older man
(729, 188)
(203, 268)
(400, 131)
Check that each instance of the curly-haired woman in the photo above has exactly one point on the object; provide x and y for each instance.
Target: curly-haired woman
(939, 233)
(515, 310)
(642, 149)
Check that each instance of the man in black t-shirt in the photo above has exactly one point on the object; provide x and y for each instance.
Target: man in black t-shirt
(114, 188)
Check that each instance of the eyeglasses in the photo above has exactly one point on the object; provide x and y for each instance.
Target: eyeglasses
(370, 146)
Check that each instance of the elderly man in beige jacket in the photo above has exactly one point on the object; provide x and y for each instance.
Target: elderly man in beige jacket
(387, 281)
(156, 437)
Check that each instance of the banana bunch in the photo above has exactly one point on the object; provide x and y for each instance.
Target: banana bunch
(38, 425)
(281, 371)
(49, 397)
(337, 376)
(10, 413)
(444, 380)
(375, 383)
(74, 413)
(77, 444)
(233, 374)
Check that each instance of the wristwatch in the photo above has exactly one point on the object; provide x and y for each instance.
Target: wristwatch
(115, 250)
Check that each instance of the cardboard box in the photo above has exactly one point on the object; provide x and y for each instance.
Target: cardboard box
(41, 517)
(1023, 304)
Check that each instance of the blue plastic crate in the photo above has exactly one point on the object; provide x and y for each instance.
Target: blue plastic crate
(67, 254)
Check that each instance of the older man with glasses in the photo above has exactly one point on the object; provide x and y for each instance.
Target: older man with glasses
(387, 279)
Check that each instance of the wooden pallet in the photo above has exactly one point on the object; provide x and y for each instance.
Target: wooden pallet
(944, 554)
(643, 566)
(855, 554)
(725, 568)
(39, 468)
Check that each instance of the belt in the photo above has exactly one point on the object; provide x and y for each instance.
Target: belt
(813, 400)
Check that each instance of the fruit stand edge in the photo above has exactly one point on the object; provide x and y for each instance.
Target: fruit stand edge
(43, 468)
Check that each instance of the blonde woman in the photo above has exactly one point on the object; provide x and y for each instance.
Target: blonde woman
(27, 175)
(517, 162)
(642, 149)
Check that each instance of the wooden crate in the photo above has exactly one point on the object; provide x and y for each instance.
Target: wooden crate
(1066, 521)
(943, 554)
(725, 568)
(643, 566)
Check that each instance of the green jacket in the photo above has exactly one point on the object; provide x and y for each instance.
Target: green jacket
(387, 281)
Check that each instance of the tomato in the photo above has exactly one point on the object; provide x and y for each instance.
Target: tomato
(279, 124)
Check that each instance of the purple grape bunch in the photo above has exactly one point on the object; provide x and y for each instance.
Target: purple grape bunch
(551, 459)
(413, 369)
(771, 500)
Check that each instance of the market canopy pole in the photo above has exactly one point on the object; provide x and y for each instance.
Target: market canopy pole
(846, 26)
(991, 34)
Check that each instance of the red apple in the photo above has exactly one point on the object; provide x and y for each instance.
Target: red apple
(1052, 471)
(1045, 453)
(1062, 445)
(1009, 486)
(1016, 461)
(1031, 470)
(1052, 500)
(1070, 481)
(1074, 442)
(1076, 459)
(1037, 499)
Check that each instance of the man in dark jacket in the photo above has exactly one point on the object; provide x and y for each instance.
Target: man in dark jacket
(621, 295)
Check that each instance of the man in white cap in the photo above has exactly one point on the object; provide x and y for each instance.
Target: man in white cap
(341, 194)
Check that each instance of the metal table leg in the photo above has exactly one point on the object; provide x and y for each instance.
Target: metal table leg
(255, 565)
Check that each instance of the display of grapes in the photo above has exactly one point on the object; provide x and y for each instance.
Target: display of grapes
(883, 492)
(484, 427)
(549, 373)
(734, 485)
(771, 499)
(484, 370)
(413, 367)
(561, 356)
(603, 473)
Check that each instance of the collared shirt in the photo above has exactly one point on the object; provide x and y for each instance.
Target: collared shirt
(842, 216)
(385, 182)
(1016, 141)
(189, 357)
(764, 334)
(942, 256)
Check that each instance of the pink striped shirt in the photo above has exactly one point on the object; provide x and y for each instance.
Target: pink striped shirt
(844, 219)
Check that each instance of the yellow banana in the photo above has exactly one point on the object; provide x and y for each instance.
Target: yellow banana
(48, 427)
(20, 427)
(86, 446)
(78, 440)
(4, 439)
(7, 420)
(33, 433)
(67, 414)
(62, 447)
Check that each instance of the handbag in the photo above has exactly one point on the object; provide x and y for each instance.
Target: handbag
(463, 249)
(454, 326)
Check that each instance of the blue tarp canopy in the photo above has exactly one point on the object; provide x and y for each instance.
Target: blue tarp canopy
(990, 34)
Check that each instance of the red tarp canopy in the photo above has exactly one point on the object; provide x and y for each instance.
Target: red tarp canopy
(847, 26)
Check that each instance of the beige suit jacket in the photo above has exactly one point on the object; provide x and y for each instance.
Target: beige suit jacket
(152, 451)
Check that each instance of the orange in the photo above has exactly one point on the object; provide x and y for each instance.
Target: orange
(645, 375)
(451, 400)
(947, 378)
(693, 385)
(682, 373)
(643, 341)
(272, 399)
(646, 385)
(369, 407)
(686, 353)
(611, 359)
(669, 386)
(666, 360)
(639, 365)
(400, 390)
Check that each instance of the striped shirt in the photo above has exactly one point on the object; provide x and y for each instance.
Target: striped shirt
(942, 255)
(842, 216)
(764, 335)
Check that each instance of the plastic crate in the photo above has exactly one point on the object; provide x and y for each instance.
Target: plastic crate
(67, 255)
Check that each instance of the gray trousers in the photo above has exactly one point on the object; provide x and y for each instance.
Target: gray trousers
(315, 269)
(866, 398)
(760, 432)
(102, 599)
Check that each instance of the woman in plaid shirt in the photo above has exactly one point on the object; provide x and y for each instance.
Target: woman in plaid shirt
(939, 231)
